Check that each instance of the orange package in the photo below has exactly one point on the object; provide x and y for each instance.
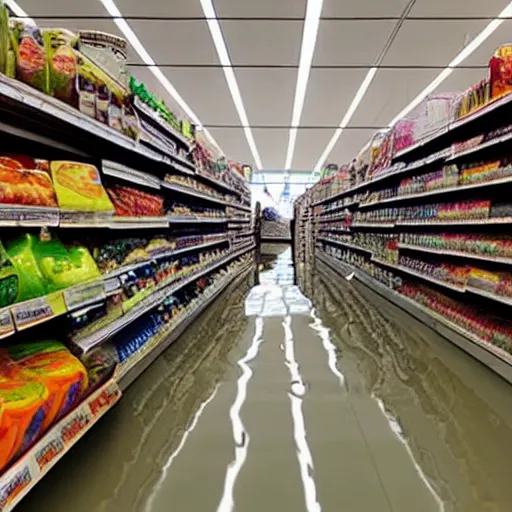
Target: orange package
(24, 398)
(63, 374)
(7, 437)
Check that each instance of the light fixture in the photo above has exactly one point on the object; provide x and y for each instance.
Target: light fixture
(135, 42)
(347, 117)
(225, 61)
(18, 11)
(309, 36)
(432, 86)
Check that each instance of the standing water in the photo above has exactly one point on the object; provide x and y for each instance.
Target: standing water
(281, 398)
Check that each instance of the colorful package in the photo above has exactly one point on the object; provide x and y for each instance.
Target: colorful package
(24, 398)
(62, 373)
(500, 68)
(9, 281)
(31, 55)
(78, 187)
(62, 62)
(8, 434)
(131, 202)
(24, 186)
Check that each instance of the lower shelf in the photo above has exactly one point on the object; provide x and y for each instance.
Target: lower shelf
(493, 357)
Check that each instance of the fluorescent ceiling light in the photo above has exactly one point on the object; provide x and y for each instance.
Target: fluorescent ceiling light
(18, 11)
(222, 52)
(132, 38)
(347, 117)
(309, 36)
(445, 73)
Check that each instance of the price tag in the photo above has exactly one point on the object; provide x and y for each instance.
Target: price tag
(111, 285)
(13, 484)
(73, 218)
(98, 404)
(83, 295)
(33, 312)
(6, 323)
(11, 215)
(48, 451)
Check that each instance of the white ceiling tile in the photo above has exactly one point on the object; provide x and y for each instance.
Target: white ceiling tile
(178, 8)
(233, 143)
(254, 42)
(349, 145)
(206, 91)
(414, 44)
(390, 92)
(62, 8)
(177, 43)
(483, 53)
(310, 145)
(260, 8)
(267, 94)
(272, 147)
(463, 8)
(329, 94)
(351, 43)
(363, 7)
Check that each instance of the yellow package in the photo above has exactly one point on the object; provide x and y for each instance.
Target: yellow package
(78, 187)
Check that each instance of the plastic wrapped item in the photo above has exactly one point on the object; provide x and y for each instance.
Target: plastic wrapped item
(9, 280)
(404, 134)
(24, 183)
(500, 69)
(131, 202)
(78, 187)
(31, 51)
(63, 374)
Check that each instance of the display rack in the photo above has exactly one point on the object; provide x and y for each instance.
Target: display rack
(429, 230)
(178, 230)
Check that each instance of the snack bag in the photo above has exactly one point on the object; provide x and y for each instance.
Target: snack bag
(24, 397)
(31, 55)
(62, 62)
(9, 280)
(31, 282)
(8, 434)
(22, 182)
(500, 68)
(62, 373)
(78, 187)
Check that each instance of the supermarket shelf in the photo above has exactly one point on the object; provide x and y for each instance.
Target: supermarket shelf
(148, 303)
(333, 219)
(493, 259)
(480, 147)
(125, 173)
(193, 193)
(380, 225)
(437, 192)
(493, 357)
(218, 183)
(141, 362)
(490, 107)
(462, 222)
(493, 296)
(240, 221)
(344, 244)
(412, 272)
(427, 140)
(176, 219)
(24, 475)
(138, 223)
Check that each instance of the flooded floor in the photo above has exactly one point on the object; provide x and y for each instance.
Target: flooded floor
(276, 401)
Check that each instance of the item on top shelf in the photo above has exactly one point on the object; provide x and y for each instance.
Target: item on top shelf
(131, 202)
(434, 113)
(382, 152)
(473, 99)
(78, 187)
(25, 182)
(500, 70)
(404, 135)
(31, 54)
(62, 62)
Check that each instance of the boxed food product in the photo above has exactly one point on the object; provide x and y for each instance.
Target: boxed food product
(78, 187)
(24, 182)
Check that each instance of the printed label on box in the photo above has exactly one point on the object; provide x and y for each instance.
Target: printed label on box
(35, 311)
(104, 400)
(83, 295)
(51, 449)
(6, 323)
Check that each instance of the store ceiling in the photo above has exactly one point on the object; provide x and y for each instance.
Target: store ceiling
(268, 94)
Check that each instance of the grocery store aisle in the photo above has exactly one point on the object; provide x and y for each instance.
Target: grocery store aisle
(274, 401)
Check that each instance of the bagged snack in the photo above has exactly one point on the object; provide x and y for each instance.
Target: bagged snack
(78, 187)
(31, 55)
(24, 186)
(8, 434)
(63, 374)
(9, 280)
(62, 62)
(131, 202)
(31, 283)
(24, 398)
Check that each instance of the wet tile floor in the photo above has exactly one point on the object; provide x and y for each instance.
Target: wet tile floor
(280, 400)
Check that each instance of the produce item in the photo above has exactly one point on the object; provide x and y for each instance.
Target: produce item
(62, 373)
(23, 184)
(25, 399)
(131, 202)
(78, 187)
(31, 51)
(62, 62)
